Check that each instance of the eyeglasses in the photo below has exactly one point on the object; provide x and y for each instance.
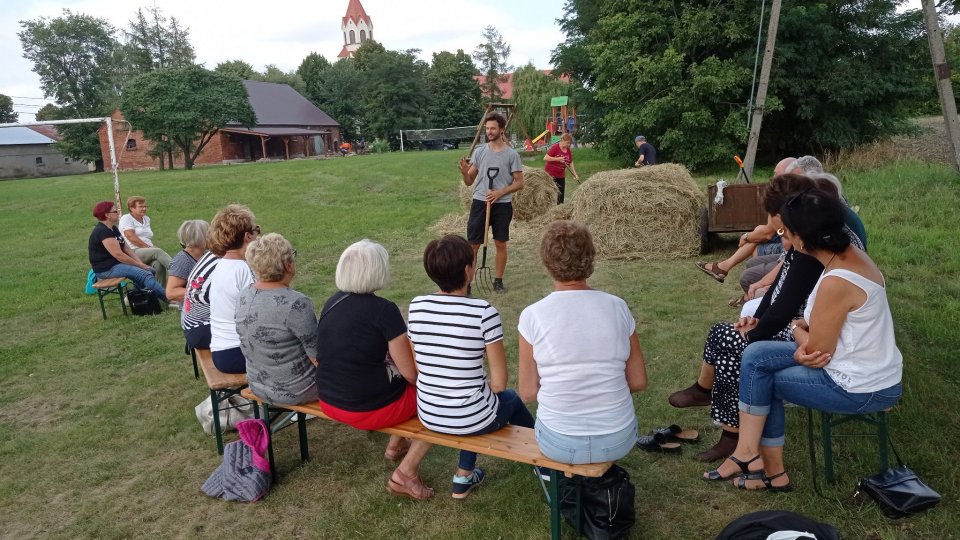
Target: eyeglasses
(113, 212)
(294, 254)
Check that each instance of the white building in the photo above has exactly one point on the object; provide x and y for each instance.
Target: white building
(357, 28)
(27, 152)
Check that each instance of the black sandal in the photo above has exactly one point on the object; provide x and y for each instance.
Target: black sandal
(714, 475)
(675, 433)
(657, 443)
(767, 481)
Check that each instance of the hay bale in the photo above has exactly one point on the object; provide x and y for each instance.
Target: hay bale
(451, 224)
(539, 195)
(645, 213)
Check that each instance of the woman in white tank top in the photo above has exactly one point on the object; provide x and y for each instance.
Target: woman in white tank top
(845, 359)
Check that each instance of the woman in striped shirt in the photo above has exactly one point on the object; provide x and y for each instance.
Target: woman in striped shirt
(451, 334)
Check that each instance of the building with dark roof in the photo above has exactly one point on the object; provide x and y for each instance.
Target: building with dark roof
(28, 151)
(288, 126)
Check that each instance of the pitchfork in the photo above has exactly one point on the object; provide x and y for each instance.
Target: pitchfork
(482, 276)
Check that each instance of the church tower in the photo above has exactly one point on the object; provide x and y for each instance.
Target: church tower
(357, 28)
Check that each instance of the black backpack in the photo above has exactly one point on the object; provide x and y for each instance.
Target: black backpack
(144, 302)
(760, 525)
(607, 504)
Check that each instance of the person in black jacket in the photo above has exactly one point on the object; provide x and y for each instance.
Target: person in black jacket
(719, 381)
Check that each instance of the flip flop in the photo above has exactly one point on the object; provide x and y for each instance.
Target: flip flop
(713, 270)
(739, 301)
(674, 433)
(657, 443)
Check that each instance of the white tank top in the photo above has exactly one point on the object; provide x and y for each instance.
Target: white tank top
(866, 358)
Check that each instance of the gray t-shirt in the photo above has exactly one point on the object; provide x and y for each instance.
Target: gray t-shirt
(508, 162)
(277, 329)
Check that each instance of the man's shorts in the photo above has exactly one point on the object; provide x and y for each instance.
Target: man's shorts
(772, 247)
(500, 216)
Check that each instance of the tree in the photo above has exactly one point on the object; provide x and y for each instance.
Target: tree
(154, 42)
(273, 74)
(532, 90)
(47, 112)
(491, 56)
(336, 91)
(393, 95)
(74, 57)
(311, 71)
(7, 114)
(186, 106)
(237, 68)
(454, 94)
(680, 72)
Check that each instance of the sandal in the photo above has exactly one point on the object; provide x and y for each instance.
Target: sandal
(738, 301)
(745, 471)
(657, 442)
(713, 270)
(409, 487)
(741, 483)
(396, 454)
(675, 433)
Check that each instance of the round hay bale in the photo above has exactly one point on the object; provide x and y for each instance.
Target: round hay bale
(451, 224)
(539, 194)
(645, 213)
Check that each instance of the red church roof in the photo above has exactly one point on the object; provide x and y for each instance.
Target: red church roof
(343, 52)
(356, 14)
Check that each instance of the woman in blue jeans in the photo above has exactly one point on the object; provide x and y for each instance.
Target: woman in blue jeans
(111, 257)
(844, 359)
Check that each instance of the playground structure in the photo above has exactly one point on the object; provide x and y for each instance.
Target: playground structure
(562, 119)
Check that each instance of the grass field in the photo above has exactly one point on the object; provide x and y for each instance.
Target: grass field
(97, 431)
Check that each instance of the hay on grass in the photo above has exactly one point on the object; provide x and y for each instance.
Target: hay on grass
(646, 213)
(538, 196)
(450, 224)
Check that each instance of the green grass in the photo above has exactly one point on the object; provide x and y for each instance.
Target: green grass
(97, 431)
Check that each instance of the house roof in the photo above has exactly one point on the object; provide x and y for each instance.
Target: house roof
(275, 131)
(280, 105)
(22, 135)
(48, 130)
(506, 84)
(356, 13)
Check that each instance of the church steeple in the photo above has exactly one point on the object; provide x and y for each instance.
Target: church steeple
(357, 28)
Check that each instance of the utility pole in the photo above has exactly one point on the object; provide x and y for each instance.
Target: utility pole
(761, 102)
(941, 72)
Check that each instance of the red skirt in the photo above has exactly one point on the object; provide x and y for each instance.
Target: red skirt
(404, 408)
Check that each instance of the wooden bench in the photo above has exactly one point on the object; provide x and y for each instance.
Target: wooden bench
(828, 421)
(116, 286)
(513, 443)
(222, 386)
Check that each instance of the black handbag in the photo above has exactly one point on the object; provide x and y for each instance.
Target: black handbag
(606, 503)
(144, 302)
(899, 491)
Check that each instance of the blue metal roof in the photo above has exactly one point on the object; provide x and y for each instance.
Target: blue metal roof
(22, 135)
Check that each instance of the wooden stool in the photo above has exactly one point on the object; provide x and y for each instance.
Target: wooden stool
(222, 386)
(111, 286)
(828, 421)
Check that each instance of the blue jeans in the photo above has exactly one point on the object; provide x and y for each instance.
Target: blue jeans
(580, 449)
(771, 247)
(510, 411)
(142, 279)
(769, 376)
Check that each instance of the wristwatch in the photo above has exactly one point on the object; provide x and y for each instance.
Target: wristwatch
(744, 236)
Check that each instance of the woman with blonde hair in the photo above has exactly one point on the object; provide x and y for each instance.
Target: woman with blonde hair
(231, 231)
(366, 373)
(277, 326)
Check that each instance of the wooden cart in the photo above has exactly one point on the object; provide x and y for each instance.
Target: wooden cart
(741, 211)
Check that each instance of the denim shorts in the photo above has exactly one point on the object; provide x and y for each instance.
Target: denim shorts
(580, 449)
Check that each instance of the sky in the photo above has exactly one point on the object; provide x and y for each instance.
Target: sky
(260, 33)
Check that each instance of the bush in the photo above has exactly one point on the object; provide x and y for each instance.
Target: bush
(379, 146)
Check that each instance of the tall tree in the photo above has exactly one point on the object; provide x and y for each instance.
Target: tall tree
(337, 92)
(532, 90)
(47, 112)
(74, 57)
(454, 94)
(273, 74)
(491, 56)
(237, 68)
(311, 72)
(155, 42)
(186, 106)
(393, 95)
(7, 114)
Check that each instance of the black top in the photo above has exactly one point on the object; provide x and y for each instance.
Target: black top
(100, 259)
(351, 351)
(648, 152)
(786, 298)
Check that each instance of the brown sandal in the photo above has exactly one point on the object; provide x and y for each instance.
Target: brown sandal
(396, 454)
(739, 301)
(713, 270)
(410, 487)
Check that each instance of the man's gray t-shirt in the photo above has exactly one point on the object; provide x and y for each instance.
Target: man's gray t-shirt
(508, 162)
(277, 329)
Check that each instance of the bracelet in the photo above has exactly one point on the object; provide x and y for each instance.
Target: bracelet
(744, 237)
(793, 327)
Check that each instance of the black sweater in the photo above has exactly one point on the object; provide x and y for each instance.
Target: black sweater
(786, 298)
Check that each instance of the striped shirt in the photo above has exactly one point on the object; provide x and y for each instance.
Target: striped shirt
(449, 336)
(196, 301)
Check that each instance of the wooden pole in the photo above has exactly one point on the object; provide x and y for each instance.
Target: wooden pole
(941, 72)
(761, 101)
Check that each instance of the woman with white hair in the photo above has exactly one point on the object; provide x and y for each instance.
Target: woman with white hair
(193, 239)
(277, 326)
(366, 374)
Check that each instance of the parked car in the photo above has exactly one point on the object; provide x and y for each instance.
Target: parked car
(440, 144)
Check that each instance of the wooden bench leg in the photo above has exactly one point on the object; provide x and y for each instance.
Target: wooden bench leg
(103, 310)
(193, 356)
(266, 420)
(302, 432)
(555, 505)
(215, 403)
(122, 291)
(882, 440)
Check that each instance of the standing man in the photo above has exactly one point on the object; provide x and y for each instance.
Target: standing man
(648, 154)
(135, 227)
(559, 159)
(496, 163)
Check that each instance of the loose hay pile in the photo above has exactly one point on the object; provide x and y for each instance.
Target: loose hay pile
(646, 213)
(538, 196)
